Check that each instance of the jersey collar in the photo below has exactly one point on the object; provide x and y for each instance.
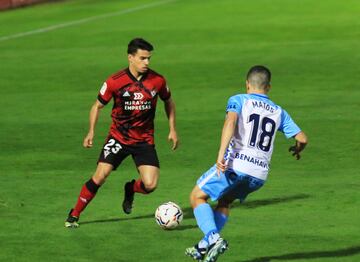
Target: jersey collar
(261, 95)
(133, 78)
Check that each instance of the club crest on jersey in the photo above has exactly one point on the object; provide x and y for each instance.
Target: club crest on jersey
(126, 94)
(153, 93)
(138, 96)
(106, 153)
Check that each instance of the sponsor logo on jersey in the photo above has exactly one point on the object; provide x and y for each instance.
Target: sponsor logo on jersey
(137, 105)
(252, 160)
(231, 106)
(103, 89)
(83, 200)
(138, 96)
(106, 153)
(126, 94)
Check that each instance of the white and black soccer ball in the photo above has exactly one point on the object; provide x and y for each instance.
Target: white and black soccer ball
(168, 215)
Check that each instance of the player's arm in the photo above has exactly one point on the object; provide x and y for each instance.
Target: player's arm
(170, 112)
(300, 144)
(94, 115)
(226, 135)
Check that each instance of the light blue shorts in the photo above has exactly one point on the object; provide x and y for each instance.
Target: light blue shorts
(238, 185)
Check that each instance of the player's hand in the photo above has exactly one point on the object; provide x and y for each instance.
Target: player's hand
(88, 140)
(174, 138)
(220, 166)
(295, 150)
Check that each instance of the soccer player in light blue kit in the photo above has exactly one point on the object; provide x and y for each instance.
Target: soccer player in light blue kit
(243, 160)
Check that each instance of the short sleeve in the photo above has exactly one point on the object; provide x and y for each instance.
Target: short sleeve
(234, 105)
(105, 93)
(288, 126)
(164, 91)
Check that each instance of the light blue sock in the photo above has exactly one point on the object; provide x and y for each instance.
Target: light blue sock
(204, 216)
(220, 219)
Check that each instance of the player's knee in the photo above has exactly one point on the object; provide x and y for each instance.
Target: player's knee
(194, 199)
(150, 186)
(100, 177)
(103, 170)
(197, 197)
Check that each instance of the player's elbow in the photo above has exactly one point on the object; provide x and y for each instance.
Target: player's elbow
(98, 105)
(302, 138)
(305, 141)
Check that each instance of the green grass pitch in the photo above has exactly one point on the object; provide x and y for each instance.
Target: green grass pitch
(307, 211)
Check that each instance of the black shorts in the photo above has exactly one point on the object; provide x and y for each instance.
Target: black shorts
(114, 153)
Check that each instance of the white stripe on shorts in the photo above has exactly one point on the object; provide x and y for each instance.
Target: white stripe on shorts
(206, 179)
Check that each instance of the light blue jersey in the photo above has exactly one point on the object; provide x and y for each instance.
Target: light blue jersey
(252, 145)
(250, 149)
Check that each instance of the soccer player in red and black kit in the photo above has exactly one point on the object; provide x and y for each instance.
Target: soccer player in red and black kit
(135, 91)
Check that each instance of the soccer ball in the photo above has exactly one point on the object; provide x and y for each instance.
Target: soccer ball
(168, 215)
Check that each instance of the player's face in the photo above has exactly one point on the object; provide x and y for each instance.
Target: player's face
(140, 61)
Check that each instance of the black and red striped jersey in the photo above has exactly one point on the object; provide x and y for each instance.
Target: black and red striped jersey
(134, 106)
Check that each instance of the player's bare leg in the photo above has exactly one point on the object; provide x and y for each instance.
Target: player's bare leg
(103, 170)
(87, 193)
(149, 176)
(198, 197)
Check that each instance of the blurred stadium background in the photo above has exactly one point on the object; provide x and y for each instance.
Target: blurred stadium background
(8, 4)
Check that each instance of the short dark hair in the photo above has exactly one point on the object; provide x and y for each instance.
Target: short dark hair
(259, 76)
(139, 43)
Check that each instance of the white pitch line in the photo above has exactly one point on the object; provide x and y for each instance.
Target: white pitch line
(83, 21)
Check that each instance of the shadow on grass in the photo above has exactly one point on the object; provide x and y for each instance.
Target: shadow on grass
(310, 255)
(116, 219)
(181, 228)
(188, 212)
